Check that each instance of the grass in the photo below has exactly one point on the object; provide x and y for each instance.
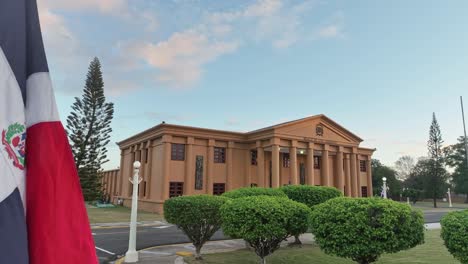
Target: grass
(431, 252)
(118, 214)
(430, 205)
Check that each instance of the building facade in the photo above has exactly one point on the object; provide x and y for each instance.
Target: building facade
(181, 160)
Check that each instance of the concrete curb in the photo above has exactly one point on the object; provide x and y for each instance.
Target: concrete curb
(127, 224)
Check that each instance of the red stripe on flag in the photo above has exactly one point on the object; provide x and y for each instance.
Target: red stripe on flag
(58, 225)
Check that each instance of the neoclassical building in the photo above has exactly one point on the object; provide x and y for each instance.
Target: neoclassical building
(182, 160)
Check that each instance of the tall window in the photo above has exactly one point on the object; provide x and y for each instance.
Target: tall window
(176, 189)
(363, 165)
(302, 180)
(317, 162)
(219, 155)
(219, 188)
(199, 172)
(177, 152)
(253, 157)
(364, 191)
(286, 160)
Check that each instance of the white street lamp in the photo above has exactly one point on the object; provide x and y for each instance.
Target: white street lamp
(384, 188)
(132, 255)
(449, 198)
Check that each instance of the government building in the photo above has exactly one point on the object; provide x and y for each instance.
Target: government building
(183, 160)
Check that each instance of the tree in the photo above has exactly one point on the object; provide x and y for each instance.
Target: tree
(310, 196)
(420, 182)
(378, 172)
(403, 167)
(198, 216)
(263, 221)
(454, 234)
(436, 175)
(455, 156)
(88, 128)
(362, 229)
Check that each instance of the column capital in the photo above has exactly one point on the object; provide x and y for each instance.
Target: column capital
(340, 148)
(326, 147)
(369, 157)
(231, 144)
(354, 150)
(294, 143)
(258, 144)
(211, 142)
(275, 141)
(190, 140)
(166, 138)
(310, 145)
(148, 144)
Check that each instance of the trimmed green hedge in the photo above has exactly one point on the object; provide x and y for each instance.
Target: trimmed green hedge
(362, 229)
(253, 191)
(263, 221)
(455, 234)
(310, 195)
(198, 216)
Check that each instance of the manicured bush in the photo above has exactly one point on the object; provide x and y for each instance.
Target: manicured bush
(263, 221)
(310, 196)
(455, 234)
(253, 191)
(197, 216)
(362, 229)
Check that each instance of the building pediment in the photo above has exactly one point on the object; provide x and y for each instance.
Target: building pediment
(317, 127)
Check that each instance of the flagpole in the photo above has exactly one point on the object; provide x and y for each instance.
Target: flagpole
(464, 129)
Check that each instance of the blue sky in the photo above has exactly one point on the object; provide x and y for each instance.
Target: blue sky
(378, 68)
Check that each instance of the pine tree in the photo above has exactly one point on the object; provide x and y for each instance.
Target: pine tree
(88, 128)
(437, 174)
(455, 156)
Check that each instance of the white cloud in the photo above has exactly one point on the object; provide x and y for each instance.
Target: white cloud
(115, 7)
(181, 57)
(333, 28)
(177, 61)
(330, 31)
(263, 8)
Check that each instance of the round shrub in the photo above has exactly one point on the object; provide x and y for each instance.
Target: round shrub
(362, 229)
(455, 234)
(263, 221)
(197, 216)
(310, 195)
(253, 191)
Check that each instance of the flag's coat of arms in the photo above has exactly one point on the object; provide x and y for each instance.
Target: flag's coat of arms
(14, 140)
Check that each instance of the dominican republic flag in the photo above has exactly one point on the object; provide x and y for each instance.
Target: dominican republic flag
(43, 218)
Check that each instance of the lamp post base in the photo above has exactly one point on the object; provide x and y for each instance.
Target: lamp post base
(131, 256)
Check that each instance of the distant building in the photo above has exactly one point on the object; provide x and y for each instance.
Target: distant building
(182, 160)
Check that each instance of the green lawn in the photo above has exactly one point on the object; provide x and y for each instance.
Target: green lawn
(118, 214)
(445, 205)
(433, 251)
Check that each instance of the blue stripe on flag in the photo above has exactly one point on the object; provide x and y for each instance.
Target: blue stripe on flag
(13, 236)
(21, 39)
